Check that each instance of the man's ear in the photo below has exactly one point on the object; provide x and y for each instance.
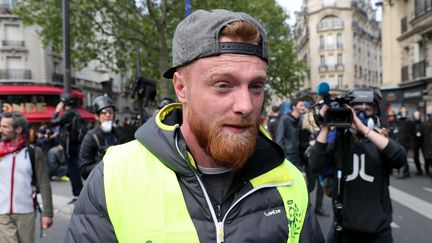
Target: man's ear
(96, 117)
(179, 82)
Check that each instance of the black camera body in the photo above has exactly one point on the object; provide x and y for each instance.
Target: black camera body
(338, 115)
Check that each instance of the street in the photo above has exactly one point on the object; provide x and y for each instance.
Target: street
(411, 198)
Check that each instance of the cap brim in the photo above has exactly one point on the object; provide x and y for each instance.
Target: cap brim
(169, 74)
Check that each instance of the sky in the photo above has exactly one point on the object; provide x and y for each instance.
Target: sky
(294, 5)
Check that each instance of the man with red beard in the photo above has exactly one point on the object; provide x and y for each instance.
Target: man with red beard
(201, 170)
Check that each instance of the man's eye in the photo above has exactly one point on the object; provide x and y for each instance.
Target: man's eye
(257, 87)
(222, 85)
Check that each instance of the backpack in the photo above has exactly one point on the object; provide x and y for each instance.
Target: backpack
(76, 129)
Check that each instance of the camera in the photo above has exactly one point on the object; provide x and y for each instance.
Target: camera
(338, 115)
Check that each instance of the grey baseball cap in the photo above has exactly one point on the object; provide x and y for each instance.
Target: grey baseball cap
(197, 36)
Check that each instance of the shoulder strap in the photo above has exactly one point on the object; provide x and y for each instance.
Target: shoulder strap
(96, 140)
(31, 150)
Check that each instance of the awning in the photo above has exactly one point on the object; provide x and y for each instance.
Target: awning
(49, 111)
(35, 89)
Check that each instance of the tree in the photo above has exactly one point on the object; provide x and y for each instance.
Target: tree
(111, 32)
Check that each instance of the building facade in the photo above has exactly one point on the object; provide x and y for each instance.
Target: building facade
(407, 54)
(25, 61)
(341, 42)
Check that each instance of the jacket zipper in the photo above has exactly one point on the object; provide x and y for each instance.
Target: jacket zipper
(220, 224)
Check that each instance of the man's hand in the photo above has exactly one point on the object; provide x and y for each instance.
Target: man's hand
(59, 107)
(357, 124)
(46, 222)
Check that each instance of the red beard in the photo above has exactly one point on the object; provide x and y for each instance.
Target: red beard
(228, 150)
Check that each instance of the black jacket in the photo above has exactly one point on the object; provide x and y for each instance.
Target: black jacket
(427, 145)
(93, 148)
(288, 136)
(367, 204)
(65, 123)
(91, 223)
(272, 126)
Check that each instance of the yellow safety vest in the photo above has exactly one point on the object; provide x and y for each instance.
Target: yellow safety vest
(145, 203)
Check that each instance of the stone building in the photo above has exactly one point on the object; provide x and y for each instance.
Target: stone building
(407, 54)
(341, 43)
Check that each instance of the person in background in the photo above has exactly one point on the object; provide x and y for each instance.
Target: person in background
(273, 121)
(45, 137)
(427, 145)
(56, 163)
(365, 213)
(69, 139)
(308, 135)
(202, 170)
(418, 141)
(22, 169)
(103, 135)
(406, 133)
(288, 132)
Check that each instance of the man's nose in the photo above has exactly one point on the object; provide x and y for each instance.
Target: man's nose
(243, 102)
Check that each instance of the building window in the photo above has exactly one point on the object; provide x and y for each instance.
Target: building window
(322, 60)
(12, 35)
(340, 80)
(339, 59)
(330, 22)
(331, 61)
(14, 63)
(339, 40)
(404, 25)
(6, 4)
(321, 45)
(330, 42)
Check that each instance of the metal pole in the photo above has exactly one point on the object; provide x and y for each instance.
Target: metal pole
(138, 75)
(138, 62)
(66, 47)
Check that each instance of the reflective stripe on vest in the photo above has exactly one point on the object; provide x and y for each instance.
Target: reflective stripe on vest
(134, 179)
(294, 195)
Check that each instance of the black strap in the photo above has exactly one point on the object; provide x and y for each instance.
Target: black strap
(31, 151)
(241, 48)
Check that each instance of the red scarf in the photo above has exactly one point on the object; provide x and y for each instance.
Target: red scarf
(12, 146)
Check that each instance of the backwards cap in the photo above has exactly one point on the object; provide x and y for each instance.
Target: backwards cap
(197, 36)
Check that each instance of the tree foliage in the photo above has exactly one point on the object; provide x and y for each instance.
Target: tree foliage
(111, 31)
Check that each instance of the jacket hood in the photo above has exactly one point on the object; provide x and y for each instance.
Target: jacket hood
(162, 136)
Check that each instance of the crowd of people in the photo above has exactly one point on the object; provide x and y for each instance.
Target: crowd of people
(205, 169)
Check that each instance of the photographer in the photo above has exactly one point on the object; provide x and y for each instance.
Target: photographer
(364, 211)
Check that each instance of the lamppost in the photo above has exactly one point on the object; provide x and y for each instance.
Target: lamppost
(66, 47)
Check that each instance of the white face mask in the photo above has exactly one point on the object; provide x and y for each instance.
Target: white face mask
(106, 126)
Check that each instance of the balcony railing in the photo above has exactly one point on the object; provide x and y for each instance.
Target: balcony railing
(419, 69)
(58, 78)
(323, 68)
(405, 73)
(15, 74)
(12, 43)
